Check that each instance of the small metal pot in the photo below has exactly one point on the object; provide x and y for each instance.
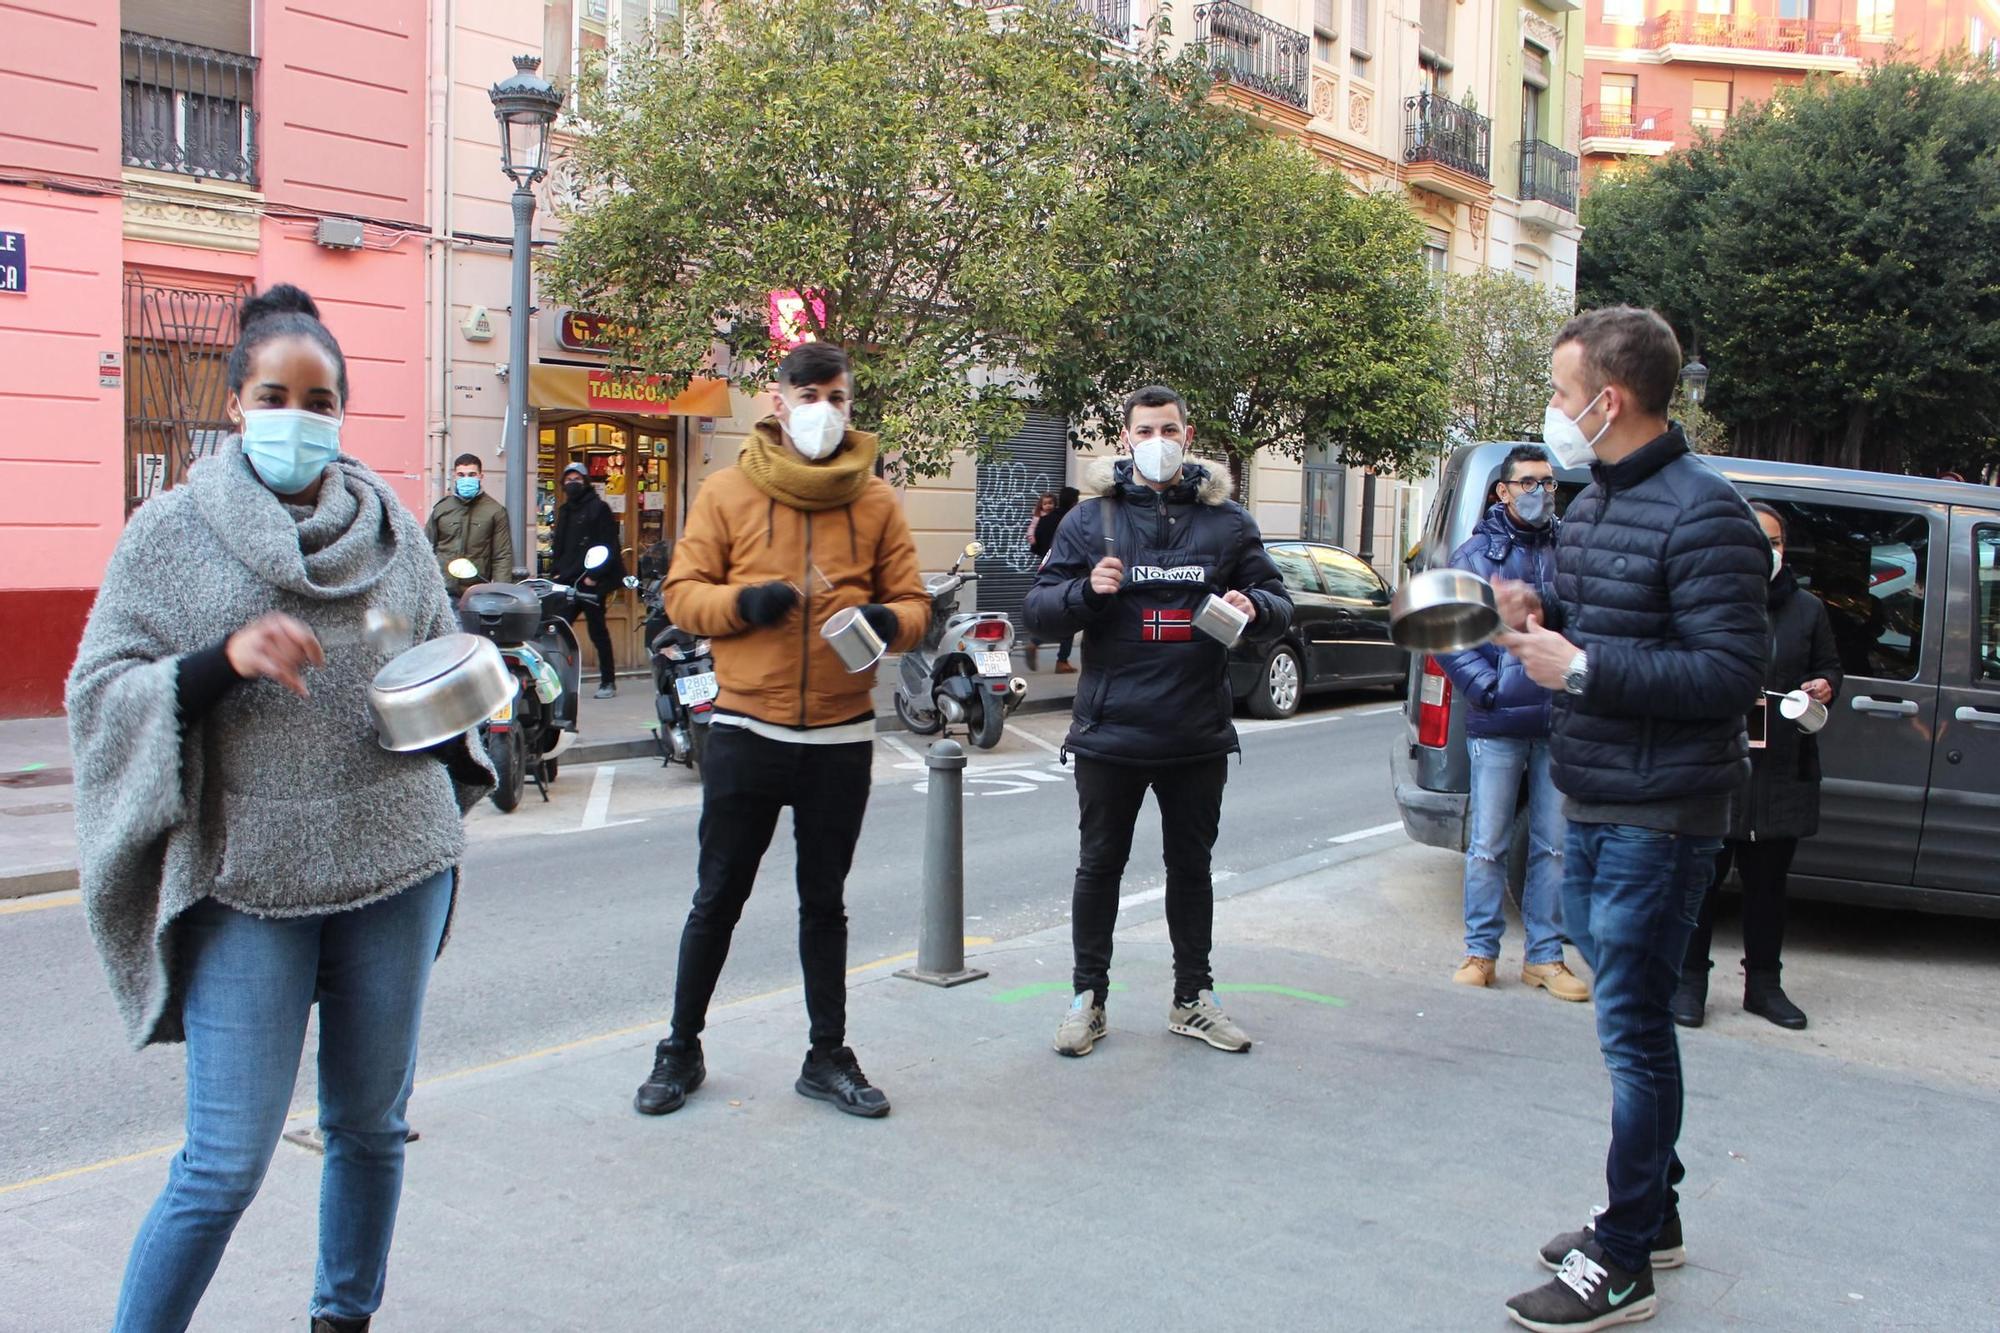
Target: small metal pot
(438, 690)
(853, 639)
(1220, 621)
(1443, 611)
(1802, 708)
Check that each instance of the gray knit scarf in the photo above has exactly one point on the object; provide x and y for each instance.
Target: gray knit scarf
(274, 805)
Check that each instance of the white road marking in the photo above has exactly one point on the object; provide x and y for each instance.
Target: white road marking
(1377, 712)
(1032, 739)
(1316, 719)
(1359, 834)
(1144, 896)
(598, 809)
(897, 744)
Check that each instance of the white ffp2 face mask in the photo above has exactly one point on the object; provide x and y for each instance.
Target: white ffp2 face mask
(816, 429)
(1158, 459)
(1565, 438)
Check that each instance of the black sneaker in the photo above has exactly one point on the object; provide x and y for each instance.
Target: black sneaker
(1668, 1248)
(836, 1077)
(675, 1075)
(1588, 1292)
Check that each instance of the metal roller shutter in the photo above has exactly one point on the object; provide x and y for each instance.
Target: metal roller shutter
(1005, 490)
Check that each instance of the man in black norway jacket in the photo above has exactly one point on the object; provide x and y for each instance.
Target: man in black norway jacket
(1656, 643)
(1129, 569)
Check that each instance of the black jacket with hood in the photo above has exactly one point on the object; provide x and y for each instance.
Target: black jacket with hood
(1154, 689)
(582, 523)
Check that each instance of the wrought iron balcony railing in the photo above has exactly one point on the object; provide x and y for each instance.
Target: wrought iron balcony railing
(1548, 174)
(1615, 121)
(1750, 32)
(1113, 18)
(189, 109)
(1436, 129)
(1255, 52)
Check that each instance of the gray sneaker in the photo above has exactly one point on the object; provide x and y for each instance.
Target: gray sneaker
(1204, 1019)
(1082, 1027)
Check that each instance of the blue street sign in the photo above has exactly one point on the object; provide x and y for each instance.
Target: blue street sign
(13, 261)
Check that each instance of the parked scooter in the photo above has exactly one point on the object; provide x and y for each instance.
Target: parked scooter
(529, 621)
(684, 684)
(962, 672)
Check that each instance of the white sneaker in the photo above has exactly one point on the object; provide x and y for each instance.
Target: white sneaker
(1205, 1020)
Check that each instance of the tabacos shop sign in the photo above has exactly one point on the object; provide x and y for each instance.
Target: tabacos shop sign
(616, 391)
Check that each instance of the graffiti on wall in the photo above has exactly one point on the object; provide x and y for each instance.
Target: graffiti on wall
(1006, 496)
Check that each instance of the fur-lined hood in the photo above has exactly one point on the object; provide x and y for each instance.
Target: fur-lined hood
(1210, 480)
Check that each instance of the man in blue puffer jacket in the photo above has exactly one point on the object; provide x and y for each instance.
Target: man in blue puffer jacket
(1130, 568)
(1658, 639)
(1507, 728)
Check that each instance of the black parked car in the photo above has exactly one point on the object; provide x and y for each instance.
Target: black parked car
(1339, 637)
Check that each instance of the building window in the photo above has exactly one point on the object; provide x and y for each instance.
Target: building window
(1616, 94)
(1357, 39)
(1437, 250)
(1877, 18)
(573, 29)
(188, 109)
(177, 343)
(1632, 12)
(1723, 7)
(1795, 9)
(1326, 32)
(1711, 103)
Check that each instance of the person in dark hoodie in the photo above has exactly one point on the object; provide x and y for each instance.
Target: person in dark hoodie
(1780, 806)
(1129, 570)
(1043, 541)
(584, 521)
(1507, 721)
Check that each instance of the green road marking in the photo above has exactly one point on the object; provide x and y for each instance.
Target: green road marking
(1036, 988)
(1258, 988)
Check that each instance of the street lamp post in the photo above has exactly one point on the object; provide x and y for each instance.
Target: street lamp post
(1694, 386)
(526, 106)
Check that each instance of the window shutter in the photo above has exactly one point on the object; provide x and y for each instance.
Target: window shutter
(221, 25)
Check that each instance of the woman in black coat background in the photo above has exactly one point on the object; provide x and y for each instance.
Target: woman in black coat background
(1779, 807)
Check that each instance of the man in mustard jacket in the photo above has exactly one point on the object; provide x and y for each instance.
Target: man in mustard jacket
(799, 529)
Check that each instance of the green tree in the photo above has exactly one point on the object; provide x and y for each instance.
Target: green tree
(1835, 258)
(1501, 327)
(917, 166)
(1288, 310)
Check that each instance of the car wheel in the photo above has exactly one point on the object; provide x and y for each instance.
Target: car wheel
(1278, 693)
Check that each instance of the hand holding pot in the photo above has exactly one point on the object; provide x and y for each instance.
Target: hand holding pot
(1545, 655)
(1241, 603)
(1820, 690)
(1518, 601)
(276, 647)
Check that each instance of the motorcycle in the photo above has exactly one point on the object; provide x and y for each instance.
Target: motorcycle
(684, 684)
(962, 672)
(529, 621)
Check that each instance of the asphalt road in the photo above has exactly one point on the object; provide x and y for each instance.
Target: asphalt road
(571, 913)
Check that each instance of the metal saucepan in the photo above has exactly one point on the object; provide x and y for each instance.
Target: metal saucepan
(1443, 611)
(438, 690)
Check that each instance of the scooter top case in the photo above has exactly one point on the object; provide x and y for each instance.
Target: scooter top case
(506, 613)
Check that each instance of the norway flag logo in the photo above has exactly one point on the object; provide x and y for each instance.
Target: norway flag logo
(1166, 626)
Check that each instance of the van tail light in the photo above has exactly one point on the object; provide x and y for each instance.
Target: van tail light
(990, 629)
(1433, 706)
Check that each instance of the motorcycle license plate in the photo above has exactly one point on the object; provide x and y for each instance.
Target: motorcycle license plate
(993, 664)
(694, 690)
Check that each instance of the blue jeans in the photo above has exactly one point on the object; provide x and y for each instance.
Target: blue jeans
(1630, 900)
(249, 983)
(1497, 765)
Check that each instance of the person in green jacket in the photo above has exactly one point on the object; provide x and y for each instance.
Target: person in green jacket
(473, 524)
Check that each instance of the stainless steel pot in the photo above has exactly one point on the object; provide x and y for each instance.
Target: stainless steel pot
(853, 639)
(438, 690)
(1443, 611)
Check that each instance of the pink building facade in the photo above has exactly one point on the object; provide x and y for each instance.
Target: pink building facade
(157, 161)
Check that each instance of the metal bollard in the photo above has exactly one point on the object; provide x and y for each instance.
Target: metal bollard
(941, 919)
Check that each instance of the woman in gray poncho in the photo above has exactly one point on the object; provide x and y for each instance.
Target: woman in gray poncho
(247, 848)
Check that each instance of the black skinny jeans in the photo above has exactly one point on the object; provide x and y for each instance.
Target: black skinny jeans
(600, 639)
(1109, 796)
(746, 780)
(1766, 865)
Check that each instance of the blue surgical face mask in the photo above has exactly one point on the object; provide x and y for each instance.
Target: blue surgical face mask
(1532, 508)
(467, 488)
(289, 447)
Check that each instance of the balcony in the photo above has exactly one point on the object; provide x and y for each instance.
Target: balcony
(1627, 131)
(1449, 149)
(1254, 52)
(1748, 39)
(1113, 18)
(1548, 185)
(188, 109)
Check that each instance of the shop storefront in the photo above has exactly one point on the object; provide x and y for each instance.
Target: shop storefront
(633, 439)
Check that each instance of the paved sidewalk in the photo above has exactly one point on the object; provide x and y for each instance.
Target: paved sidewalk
(1387, 1157)
(37, 800)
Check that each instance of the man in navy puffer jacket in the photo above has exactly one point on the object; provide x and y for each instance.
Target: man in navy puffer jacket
(1507, 729)
(1657, 638)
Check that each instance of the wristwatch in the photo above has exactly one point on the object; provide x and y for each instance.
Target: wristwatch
(1578, 673)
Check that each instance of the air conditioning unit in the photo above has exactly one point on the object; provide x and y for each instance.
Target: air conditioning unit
(338, 234)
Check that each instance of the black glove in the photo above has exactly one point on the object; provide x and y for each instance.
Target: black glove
(766, 603)
(883, 621)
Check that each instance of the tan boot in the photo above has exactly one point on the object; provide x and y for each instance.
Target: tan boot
(1474, 972)
(1557, 980)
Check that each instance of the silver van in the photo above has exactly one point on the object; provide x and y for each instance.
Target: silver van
(1909, 570)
